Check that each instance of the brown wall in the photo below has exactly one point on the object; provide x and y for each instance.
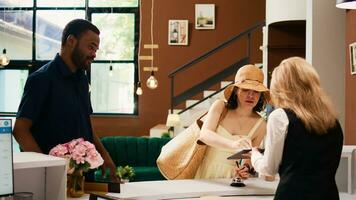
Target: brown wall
(350, 81)
(232, 17)
(285, 39)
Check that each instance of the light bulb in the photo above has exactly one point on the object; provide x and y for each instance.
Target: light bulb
(139, 89)
(152, 82)
(4, 60)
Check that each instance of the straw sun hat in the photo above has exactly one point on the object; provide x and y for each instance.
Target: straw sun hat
(248, 77)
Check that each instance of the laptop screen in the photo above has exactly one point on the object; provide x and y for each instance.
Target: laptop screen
(6, 163)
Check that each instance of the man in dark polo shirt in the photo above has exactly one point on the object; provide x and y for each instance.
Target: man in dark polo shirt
(55, 107)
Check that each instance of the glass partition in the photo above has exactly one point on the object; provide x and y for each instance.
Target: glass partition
(117, 40)
(16, 33)
(49, 30)
(12, 83)
(113, 3)
(112, 88)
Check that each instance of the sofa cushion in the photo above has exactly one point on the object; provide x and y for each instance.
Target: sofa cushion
(134, 151)
(140, 153)
(147, 174)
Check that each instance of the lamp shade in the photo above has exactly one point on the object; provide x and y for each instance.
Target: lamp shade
(173, 120)
(346, 4)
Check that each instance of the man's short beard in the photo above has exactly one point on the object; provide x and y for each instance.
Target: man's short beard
(79, 59)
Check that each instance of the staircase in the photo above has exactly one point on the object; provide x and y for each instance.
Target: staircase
(190, 115)
(195, 108)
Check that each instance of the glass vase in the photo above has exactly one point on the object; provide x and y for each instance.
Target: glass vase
(75, 184)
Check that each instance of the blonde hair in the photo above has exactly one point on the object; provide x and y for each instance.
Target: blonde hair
(295, 85)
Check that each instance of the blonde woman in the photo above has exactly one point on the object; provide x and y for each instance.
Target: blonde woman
(304, 138)
(227, 133)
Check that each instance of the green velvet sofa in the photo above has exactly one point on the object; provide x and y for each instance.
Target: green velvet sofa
(138, 152)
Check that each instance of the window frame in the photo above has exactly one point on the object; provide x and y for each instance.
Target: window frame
(34, 64)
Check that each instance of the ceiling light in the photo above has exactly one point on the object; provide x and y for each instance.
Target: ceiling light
(346, 4)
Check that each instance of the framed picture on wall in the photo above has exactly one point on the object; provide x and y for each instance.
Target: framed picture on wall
(204, 16)
(353, 58)
(178, 32)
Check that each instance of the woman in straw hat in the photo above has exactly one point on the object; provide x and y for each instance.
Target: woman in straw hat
(304, 138)
(227, 133)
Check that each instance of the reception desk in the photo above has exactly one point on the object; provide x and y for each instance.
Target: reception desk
(190, 189)
(346, 176)
(215, 189)
(175, 189)
(43, 175)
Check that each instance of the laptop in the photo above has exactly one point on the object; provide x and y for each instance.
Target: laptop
(6, 158)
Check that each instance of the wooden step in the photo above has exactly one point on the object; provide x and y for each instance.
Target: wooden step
(208, 92)
(225, 83)
(175, 111)
(205, 104)
(190, 116)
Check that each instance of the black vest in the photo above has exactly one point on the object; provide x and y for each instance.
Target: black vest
(309, 162)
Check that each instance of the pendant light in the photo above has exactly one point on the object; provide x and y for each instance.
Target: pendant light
(152, 82)
(138, 86)
(139, 89)
(4, 60)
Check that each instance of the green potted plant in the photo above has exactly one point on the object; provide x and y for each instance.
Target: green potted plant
(125, 173)
(166, 135)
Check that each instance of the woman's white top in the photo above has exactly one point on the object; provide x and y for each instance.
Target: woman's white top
(277, 127)
(215, 163)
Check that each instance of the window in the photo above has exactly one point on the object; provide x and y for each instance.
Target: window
(11, 88)
(31, 31)
(115, 86)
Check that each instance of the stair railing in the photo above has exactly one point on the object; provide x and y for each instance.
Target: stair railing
(176, 100)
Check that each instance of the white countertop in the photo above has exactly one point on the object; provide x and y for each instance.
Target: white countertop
(214, 189)
(193, 188)
(176, 189)
(23, 160)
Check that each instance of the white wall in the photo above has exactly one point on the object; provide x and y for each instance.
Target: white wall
(285, 10)
(277, 11)
(326, 48)
(325, 41)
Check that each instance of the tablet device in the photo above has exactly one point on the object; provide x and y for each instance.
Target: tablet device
(240, 154)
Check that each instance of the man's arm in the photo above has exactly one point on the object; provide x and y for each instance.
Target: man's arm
(108, 162)
(24, 136)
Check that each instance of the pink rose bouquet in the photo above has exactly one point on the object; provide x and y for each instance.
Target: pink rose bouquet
(81, 154)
